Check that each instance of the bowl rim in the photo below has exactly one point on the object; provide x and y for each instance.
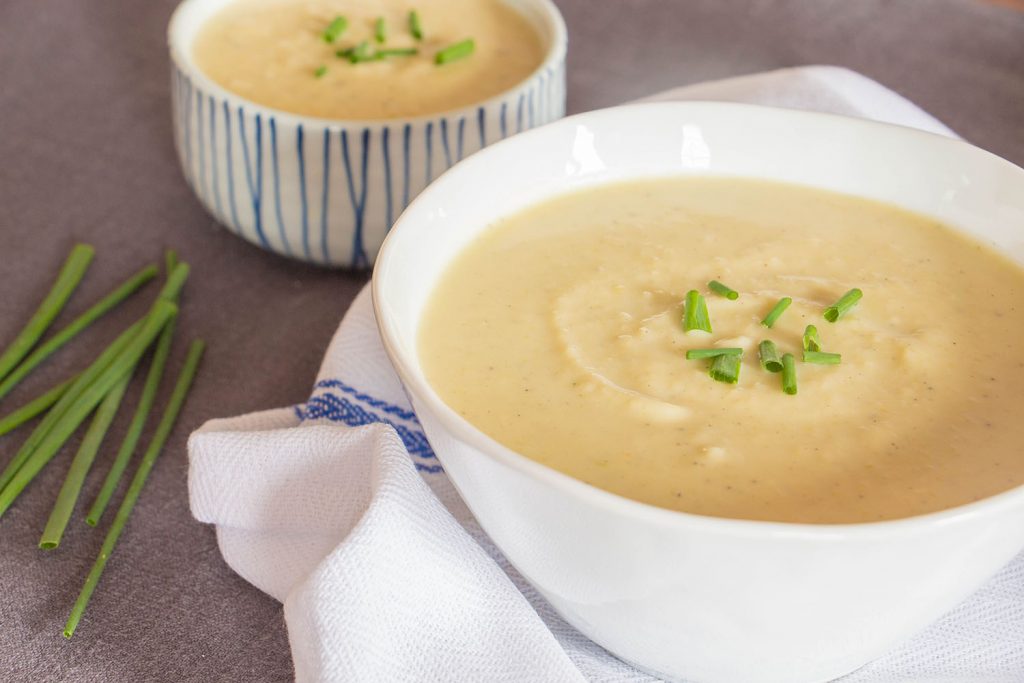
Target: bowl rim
(179, 41)
(585, 493)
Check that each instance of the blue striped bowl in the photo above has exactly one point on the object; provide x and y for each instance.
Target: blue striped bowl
(327, 191)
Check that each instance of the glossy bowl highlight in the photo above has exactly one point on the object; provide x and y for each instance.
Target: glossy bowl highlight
(685, 596)
(327, 191)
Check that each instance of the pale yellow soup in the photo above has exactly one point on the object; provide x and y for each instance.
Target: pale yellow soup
(270, 52)
(558, 333)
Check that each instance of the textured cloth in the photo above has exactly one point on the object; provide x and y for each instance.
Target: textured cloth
(339, 509)
(87, 155)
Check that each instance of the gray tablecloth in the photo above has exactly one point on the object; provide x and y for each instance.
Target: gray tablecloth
(86, 154)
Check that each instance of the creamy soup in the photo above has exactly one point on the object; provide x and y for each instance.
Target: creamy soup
(558, 333)
(274, 52)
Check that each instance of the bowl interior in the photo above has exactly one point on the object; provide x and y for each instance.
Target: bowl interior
(190, 16)
(961, 185)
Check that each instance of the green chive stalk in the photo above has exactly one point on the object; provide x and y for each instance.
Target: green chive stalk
(70, 396)
(163, 430)
(83, 460)
(698, 354)
(725, 368)
(455, 52)
(131, 437)
(723, 290)
(58, 340)
(415, 25)
(34, 407)
(695, 315)
(789, 374)
(86, 401)
(70, 275)
(769, 355)
(845, 303)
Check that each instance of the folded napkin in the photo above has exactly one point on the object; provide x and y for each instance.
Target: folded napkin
(339, 509)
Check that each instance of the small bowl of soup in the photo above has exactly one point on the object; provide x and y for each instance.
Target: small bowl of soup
(737, 389)
(307, 126)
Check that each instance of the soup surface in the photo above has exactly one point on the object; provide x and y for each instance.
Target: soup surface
(273, 52)
(558, 333)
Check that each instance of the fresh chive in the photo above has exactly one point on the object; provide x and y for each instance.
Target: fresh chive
(33, 407)
(85, 400)
(80, 465)
(723, 290)
(455, 52)
(170, 261)
(769, 356)
(54, 343)
(163, 430)
(845, 303)
(70, 396)
(778, 310)
(696, 316)
(788, 374)
(415, 27)
(135, 427)
(320, 71)
(697, 354)
(335, 29)
(70, 275)
(395, 52)
(725, 368)
(380, 30)
(811, 341)
(822, 358)
(145, 403)
(359, 53)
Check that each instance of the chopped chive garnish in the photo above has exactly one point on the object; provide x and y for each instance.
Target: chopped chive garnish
(812, 342)
(723, 290)
(395, 52)
(380, 30)
(335, 29)
(788, 374)
(769, 355)
(415, 27)
(822, 358)
(320, 71)
(779, 309)
(695, 316)
(845, 303)
(697, 354)
(725, 368)
(359, 53)
(455, 52)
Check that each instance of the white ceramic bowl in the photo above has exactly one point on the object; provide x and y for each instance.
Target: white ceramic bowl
(327, 191)
(686, 596)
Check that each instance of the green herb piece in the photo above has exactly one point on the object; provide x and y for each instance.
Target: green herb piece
(788, 374)
(695, 317)
(455, 52)
(723, 290)
(335, 29)
(811, 341)
(33, 407)
(778, 310)
(131, 437)
(769, 356)
(73, 392)
(54, 343)
(163, 430)
(320, 71)
(170, 261)
(415, 27)
(822, 358)
(83, 401)
(845, 303)
(725, 368)
(70, 275)
(83, 460)
(697, 354)
(380, 30)
(357, 54)
(395, 52)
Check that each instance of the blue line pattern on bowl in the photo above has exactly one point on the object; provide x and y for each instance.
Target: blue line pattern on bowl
(332, 207)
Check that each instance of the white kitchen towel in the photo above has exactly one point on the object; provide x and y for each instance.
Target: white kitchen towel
(339, 509)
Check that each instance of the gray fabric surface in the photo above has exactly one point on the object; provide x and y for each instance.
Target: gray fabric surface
(85, 144)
